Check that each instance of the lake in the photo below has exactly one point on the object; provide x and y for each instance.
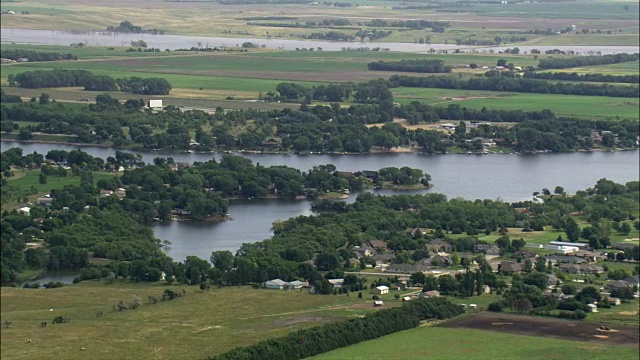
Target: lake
(507, 177)
(104, 38)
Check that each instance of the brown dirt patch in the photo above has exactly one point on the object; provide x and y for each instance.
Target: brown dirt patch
(548, 327)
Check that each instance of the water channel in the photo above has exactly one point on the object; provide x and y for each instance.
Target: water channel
(507, 177)
(172, 42)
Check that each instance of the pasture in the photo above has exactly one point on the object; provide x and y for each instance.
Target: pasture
(196, 325)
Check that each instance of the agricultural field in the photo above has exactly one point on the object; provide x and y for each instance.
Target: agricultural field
(628, 68)
(211, 18)
(478, 341)
(199, 324)
(563, 105)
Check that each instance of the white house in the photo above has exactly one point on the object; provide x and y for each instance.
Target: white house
(337, 283)
(24, 210)
(380, 290)
(593, 308)
(275, 284)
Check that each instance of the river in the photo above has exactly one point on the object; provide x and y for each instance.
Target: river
(507, 177)
(103, 38)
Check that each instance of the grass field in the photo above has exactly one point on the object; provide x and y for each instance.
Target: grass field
(628, 68)
(27, 184)
(194, 326)
(567, 105)
(433, 342)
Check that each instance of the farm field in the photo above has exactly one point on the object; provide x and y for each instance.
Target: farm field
(451, 341)
(563, 105)
(628, 68)
(199, 324)
(479, 21)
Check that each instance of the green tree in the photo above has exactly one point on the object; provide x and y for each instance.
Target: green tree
(572, 230)
(222, 260)
(42, 178)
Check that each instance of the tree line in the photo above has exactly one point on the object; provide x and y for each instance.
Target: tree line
(578, 61)
(15, 54)
(501, 83)
(91, 82)
(419, 66)
(317, 340)
(630, 79)
(435, 26)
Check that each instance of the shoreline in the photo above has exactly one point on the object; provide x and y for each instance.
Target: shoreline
(397, 150)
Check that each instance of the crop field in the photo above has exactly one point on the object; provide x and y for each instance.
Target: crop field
(479, 21)
(564, 105)
(628, 68)
(91, 52)
(199, 324)
(437, 342)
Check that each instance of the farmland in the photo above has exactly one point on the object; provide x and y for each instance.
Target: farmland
(168, 329)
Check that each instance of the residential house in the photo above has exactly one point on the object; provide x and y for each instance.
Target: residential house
(592, 269)
(488, 249)
(553, 281)
(298, 284)
(105, 192)
(439, 260)
(571, 268)
(383, 258)
(337, 283)
(364, 251)
(633, 280)
(378, 303)
(380, 290)
(275, 284)
(510, 267)
(563, 259)
(379, 245)
(370, 175)
(582, 268)
(592, 308)
(24, 210)
(622, 246)
(618, 284)
(614, 301)
(590, 256)
(272, 143)
(439, 245)
(429, 294)
(486, 289)
(45, 200)
(564, 243)
(405, 268)
(525, 254)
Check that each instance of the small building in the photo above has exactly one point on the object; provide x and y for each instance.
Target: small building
(406, 298)
(439, 245)
(380, 290)
(614, 301)
(379, 245)
(564, 243)
(296, 284)
(24, 210)
(383, 258)
(429, 294)
(104, 192)
(473, 306)
(336, 283)
(592, 308)
(275, 284)
(364, 251)
(486, 289)
(45, 200)
(155, 104)
(378, 303)
(509, 267)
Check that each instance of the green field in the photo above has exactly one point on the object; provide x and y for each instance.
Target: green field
(444, 343)
(194, 326)
(90, 52)
(564, 105)
(628, 68)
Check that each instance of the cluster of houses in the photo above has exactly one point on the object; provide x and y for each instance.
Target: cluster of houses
(6, 61)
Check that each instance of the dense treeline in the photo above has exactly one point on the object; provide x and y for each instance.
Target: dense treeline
(500, 83)
(91, 82)
(420, 66)
(128, 27)
(309, 342)
(561, 63)
(631, 79)
(318, 128)
(15, 54)
(435, 26)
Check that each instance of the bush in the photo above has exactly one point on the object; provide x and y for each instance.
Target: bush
(495, 306)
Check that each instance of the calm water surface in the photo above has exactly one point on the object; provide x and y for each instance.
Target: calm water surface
(507, 177)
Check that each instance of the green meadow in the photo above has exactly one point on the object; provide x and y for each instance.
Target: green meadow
(433, 342)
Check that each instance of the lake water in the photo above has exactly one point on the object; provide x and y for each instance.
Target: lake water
(99, 38)
(507, 177)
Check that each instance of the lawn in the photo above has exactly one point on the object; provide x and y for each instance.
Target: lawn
(623, 314)
(565, 105)
(194, 326)
(433, 342)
